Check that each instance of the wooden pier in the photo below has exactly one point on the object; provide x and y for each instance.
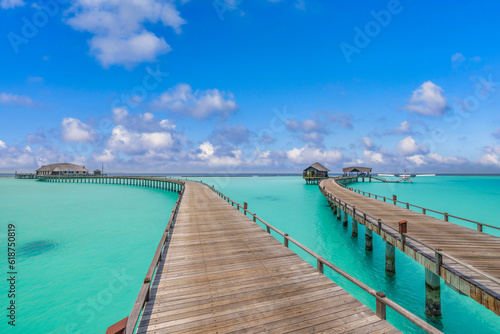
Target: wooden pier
(467, 260)
(216, 270)
(224, 273)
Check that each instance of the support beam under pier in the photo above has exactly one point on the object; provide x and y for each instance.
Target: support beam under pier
(390, 259)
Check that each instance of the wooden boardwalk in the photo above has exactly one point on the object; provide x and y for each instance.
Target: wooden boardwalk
(222, 273)
(476, 249)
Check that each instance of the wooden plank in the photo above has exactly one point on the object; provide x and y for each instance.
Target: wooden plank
(223, 273)
(476, 249)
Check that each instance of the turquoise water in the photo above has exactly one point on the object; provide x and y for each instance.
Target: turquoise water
(301, 211)
(84, 248)
(82, 251)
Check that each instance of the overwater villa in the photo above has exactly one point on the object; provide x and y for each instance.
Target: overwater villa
(359, 171)
(62, 169)
(315, 173)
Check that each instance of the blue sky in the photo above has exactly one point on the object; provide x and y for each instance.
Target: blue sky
(259, 86)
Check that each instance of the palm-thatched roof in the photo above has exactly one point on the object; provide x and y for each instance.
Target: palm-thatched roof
(356, 169)
(317, 166)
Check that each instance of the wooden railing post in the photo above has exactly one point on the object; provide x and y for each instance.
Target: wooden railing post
(320, 266)
(446, 216)
(285, 241)
(381, 306)
(479, 227)
(379, 221)
(439, 261)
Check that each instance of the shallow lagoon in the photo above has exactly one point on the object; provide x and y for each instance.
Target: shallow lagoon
(85, 248)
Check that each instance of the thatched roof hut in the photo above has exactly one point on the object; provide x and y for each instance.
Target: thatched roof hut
(62, 169)
(357, 170)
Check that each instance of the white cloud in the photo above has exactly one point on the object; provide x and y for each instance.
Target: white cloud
(367, 142)
(200, 104)
(308, 154)
(440, 160)
(146, 122)
(372, 157)
(403, 128)
(104, 156)
(457, 58)
(7, 98)
(491, 157)
(132, 142)
(427, 100)
(408, 146)
(130, 50)
(208, 153)
(2, 144)
(417, 159)
(119, 28)
(6, 4)
(74, 130)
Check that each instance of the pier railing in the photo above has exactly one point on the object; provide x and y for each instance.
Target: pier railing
(446, 215)
(378, 225)
(381, 299)
(145, 290)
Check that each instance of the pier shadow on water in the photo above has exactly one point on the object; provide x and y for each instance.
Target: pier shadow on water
(38, 247)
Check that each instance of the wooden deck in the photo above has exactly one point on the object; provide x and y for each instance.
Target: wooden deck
(479, 250)
(222, 273)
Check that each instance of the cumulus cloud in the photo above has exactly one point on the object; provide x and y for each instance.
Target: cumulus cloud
(2, 144)
(146, 122)
(403, 128)
(491, 156)
(133, 142)
(427, 100)
(375, 158)
(6, 4)
(199, 104)
(308, 154)
(130, 50)
(408, 146)
(367, 142)
(74, 130)
(119, 28)
(7, 98)
(105, 156)
(210, 156)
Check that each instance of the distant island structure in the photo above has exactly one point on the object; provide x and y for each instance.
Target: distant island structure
(360, 171)
(315, 173)
(62, 169)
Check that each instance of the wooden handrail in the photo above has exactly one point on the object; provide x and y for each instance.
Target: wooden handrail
(143, 296)
(144, 292)
(381, 300)
(479, 225)
(397, 235)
